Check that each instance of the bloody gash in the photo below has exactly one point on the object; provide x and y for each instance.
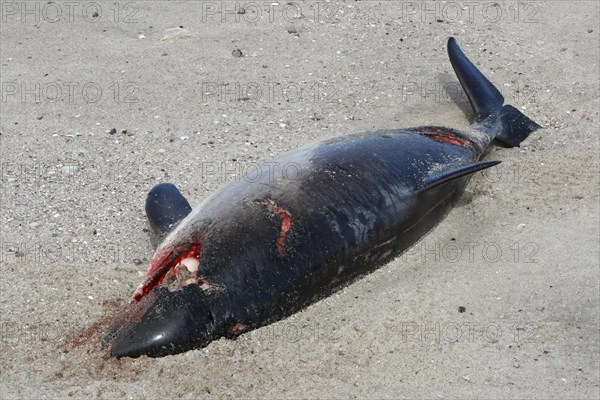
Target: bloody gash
(259, 250)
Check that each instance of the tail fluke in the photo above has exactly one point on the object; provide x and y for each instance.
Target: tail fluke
(515, 126)
(487, 101)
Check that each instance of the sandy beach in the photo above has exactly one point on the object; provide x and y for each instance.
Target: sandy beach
(101, 100)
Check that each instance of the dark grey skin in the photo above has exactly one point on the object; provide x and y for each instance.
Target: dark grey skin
(316, 219)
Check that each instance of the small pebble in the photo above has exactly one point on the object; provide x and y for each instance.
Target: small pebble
(95, 14)
(113, 131)
(461, 309)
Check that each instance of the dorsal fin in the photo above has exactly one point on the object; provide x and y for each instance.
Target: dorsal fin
(455, 172)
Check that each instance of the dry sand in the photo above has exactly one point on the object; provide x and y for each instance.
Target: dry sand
(520, 253)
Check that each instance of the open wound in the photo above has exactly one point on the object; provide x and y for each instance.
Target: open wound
(286, 222)
(175, 269)
(442, 135)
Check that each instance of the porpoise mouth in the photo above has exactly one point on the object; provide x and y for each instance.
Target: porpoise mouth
(175, 267)
(172, 267)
